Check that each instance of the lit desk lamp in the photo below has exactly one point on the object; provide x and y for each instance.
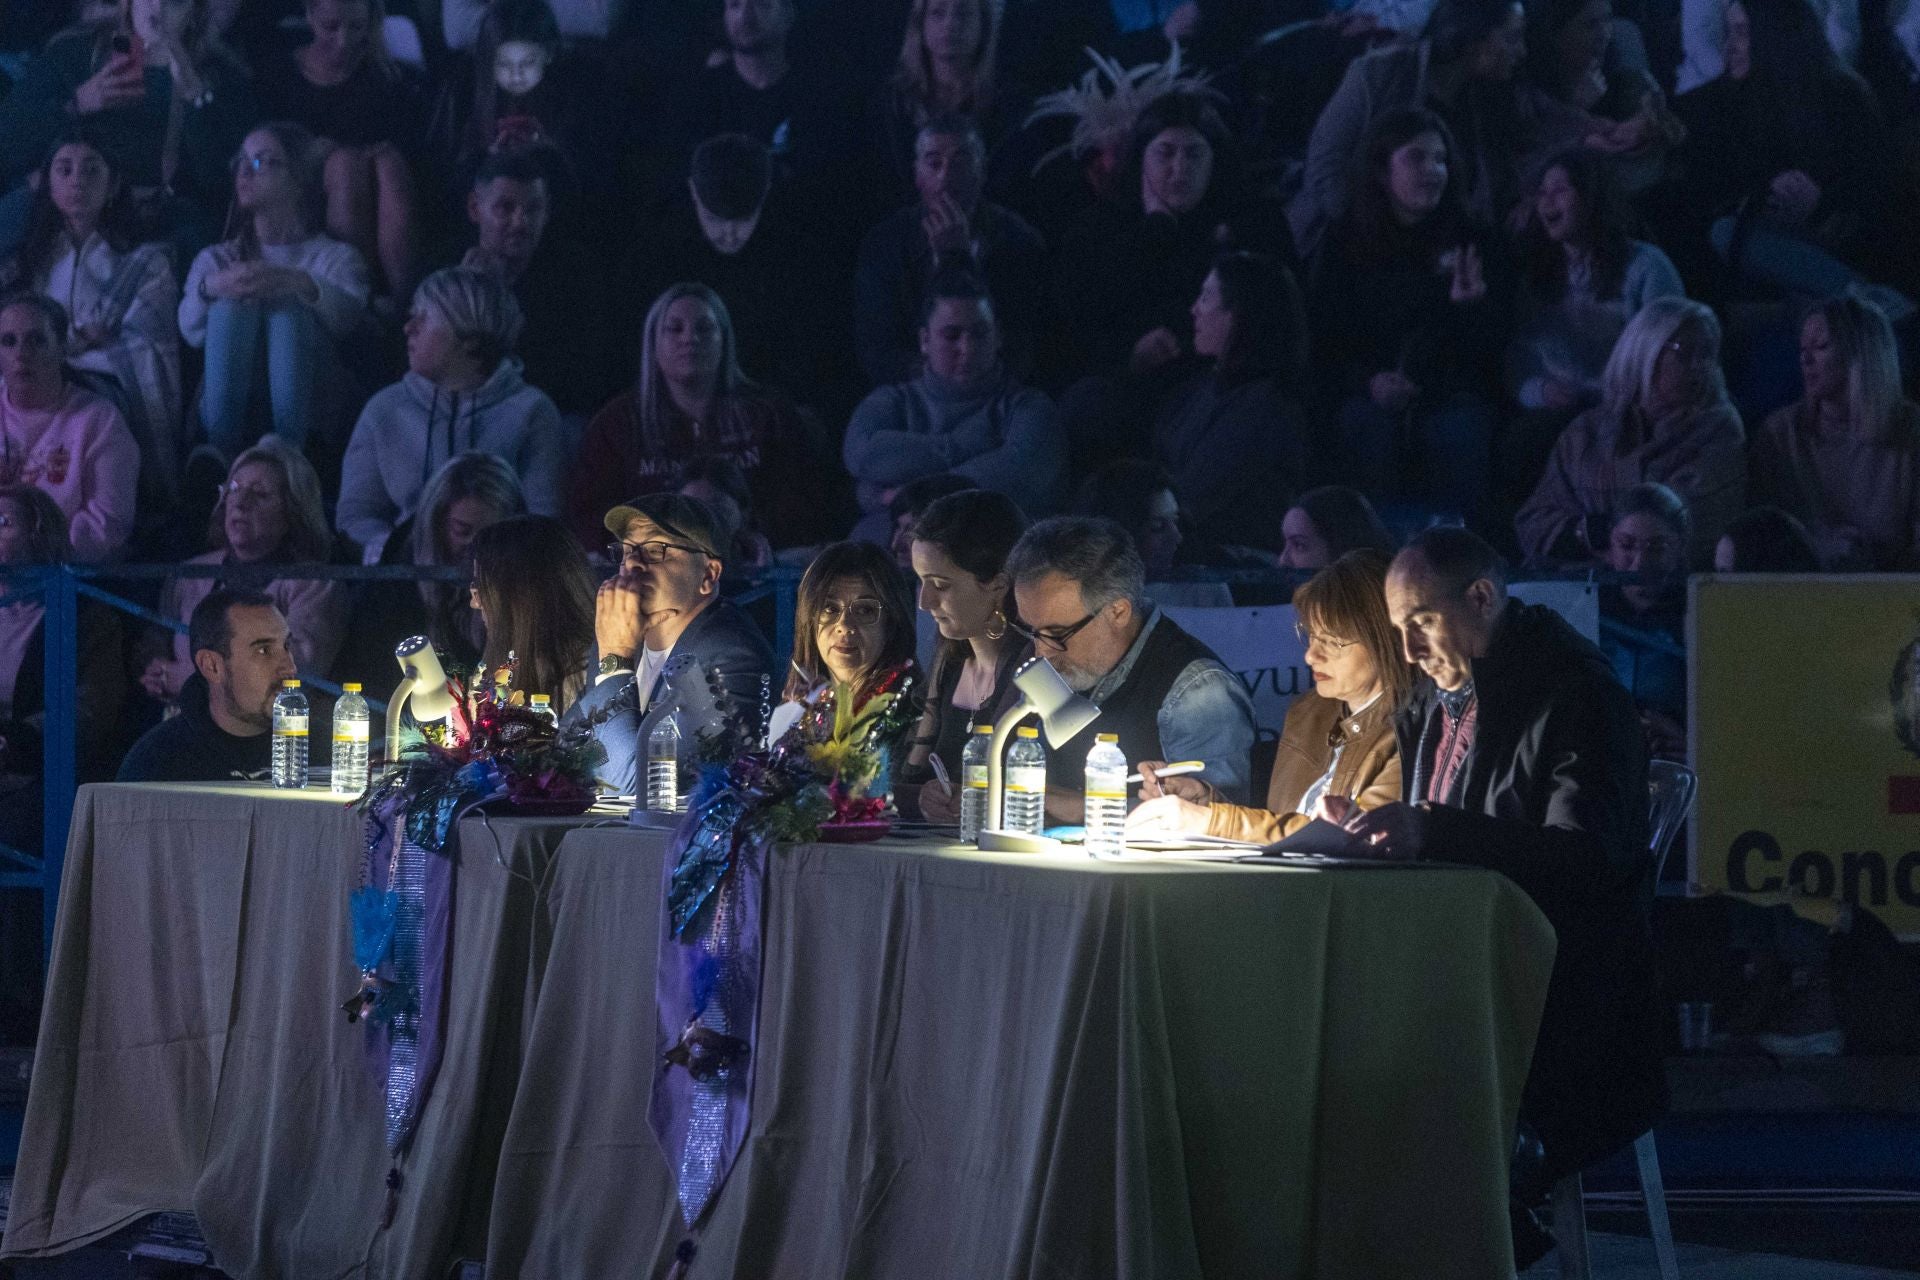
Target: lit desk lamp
(1063, 714)
(425, 685)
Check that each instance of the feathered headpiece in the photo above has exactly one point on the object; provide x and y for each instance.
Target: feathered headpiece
(1103, 114)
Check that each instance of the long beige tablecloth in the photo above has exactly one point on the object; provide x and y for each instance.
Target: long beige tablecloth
(980, 1066)
(193, 1055)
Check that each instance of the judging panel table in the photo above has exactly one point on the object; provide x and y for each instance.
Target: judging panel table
(968, 1064)
(193, 1055)
(1044, 1066)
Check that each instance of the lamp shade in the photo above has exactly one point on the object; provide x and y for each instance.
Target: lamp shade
(430, 698)
(1063, 713)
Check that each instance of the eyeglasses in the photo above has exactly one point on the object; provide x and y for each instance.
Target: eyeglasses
(259, 163)
(233, 491)
(652, 552)
(1055, 637)
(863, 612)
(1326, 641)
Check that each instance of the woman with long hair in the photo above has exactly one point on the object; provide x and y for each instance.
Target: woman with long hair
(948, 63)
(1338, 754)
(692, 400)
(853, 642)
(960, 547)
(280, 283)
(1409, 297)
(1234, 436)
(1845, 458)
(1643, 616)
(1664, 416)
(82, 250)
(1326, 523)
(534, 592)
(157, 88)
(269, 516)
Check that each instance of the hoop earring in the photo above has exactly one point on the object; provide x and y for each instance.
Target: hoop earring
(1001, 618)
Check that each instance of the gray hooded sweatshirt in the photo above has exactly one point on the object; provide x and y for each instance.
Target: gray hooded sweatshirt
(410, 429)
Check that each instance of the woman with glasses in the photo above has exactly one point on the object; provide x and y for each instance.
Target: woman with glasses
(534, 593)
(269, 517)
(1337, 749)
(853, 642)
(281, 284)
(60, 437)
(1664, 418)
(960, 548)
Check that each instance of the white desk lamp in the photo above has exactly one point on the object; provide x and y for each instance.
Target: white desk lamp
(425, 684)
(1063, 715)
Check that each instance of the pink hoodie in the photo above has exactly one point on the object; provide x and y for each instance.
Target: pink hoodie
(82, 454)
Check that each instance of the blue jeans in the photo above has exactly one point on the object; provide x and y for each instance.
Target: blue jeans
(1784, 260)
(298, 350)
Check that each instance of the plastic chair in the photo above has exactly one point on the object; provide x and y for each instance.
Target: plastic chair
(1670, 789)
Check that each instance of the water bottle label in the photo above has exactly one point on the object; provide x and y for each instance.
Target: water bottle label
(291, 726)
(352, 731)
(975, 776)
(1027, 781)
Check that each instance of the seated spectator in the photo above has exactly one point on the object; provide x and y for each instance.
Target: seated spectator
(462, 391)
(1360, 679)
(344, 89)
(664, 602)
(1586, 83)
(1643, 622)
(722, 485)
(1081, 587)
(269, 518)
(1582, 279)
(1325, 524)
(1410, 303)
(33, 531)
(1846, 458)
(1124, 278)
(534, 593)
(1234, 436)
(280, 284)
(1546, 783)
(1138, 496)
(120, 295)
(579, 19)
(692, 401)
(469, 492)
(59, 437)
(964, 416)
(730, 231)
(158, 90)
(853, 642)
(960, 547)
(1664, 417)
(950, 228)
(1462, 69)
(1766, 540)
(910, 502)
(242, 649)
(558, 291)
(948, 65)
(1788, 156)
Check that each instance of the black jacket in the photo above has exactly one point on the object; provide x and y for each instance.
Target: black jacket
(1555, 798)
(192, 748)
(737, 666)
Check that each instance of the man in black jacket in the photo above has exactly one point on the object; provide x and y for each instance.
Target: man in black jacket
(242, 650)
(662, 606)
(1524, 755)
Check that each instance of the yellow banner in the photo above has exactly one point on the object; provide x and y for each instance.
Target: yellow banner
(1806, 737)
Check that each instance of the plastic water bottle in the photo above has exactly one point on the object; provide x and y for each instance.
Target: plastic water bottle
(1106, 797)
(352, 734)
(1026, 803)
(290, 736)
(542, 706)
(973, 782)
(663, 766)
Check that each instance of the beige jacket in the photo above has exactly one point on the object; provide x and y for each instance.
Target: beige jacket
(1368, 773)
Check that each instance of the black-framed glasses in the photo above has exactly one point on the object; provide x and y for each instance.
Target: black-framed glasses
(653, 551)
(863, 612)
(1055, 637)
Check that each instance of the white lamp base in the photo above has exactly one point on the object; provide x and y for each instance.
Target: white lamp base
(996, 840)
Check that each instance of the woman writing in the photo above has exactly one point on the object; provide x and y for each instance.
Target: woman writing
(1337, 749)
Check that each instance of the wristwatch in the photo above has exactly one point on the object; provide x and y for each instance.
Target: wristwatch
(611, 663)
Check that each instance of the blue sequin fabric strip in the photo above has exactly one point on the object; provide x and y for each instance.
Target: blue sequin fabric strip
(701, 1159)
(403, 1062)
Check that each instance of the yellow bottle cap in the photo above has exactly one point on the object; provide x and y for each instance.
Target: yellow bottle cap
(289, 684)
(1106, 737)
(349, 688)
(1028, 731)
